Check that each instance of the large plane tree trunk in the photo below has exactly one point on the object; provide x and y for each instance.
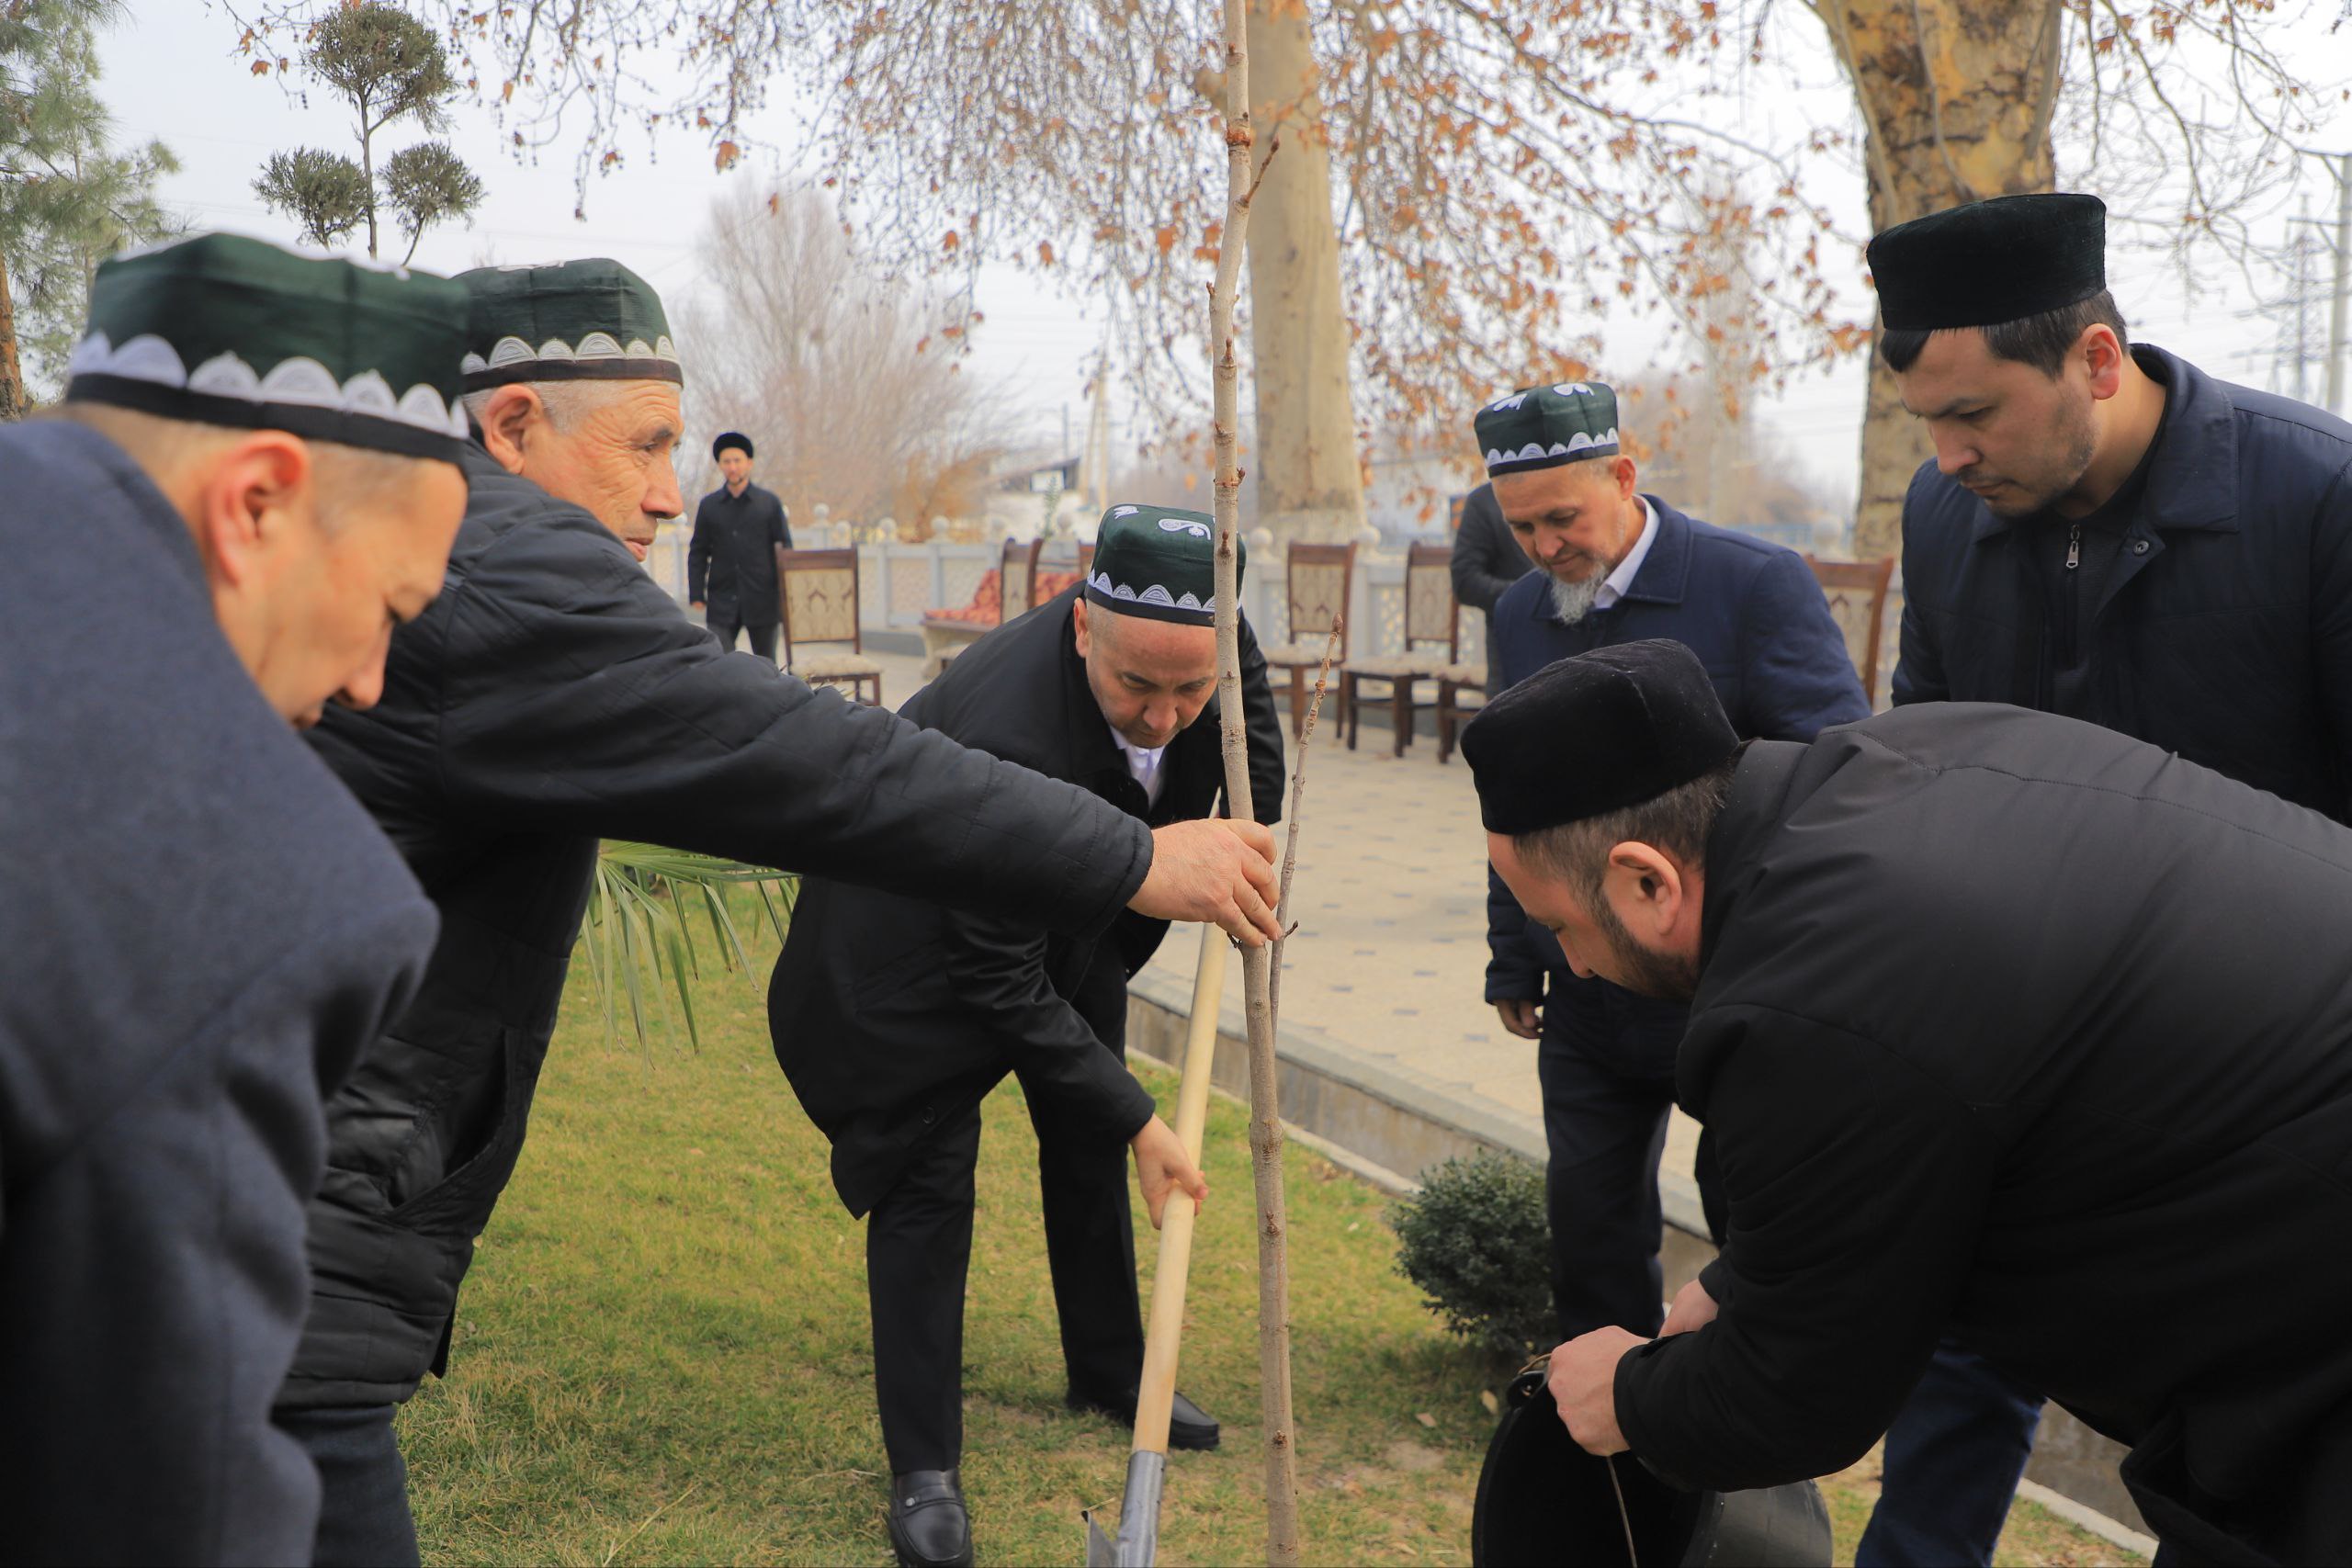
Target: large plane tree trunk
(1956, 98)
(1310, 485)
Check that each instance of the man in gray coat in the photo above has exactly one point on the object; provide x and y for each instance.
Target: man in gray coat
(256, 454)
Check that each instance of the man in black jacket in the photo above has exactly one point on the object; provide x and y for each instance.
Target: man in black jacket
(554, 696)
(2008, 1028)
(2109, 533)
(730, 565)
(1488, 558)
(893, 1017)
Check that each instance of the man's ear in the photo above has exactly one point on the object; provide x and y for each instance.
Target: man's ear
(2103, 355)
(1078, 621)
(509, 422)
(247, 497)
(1627, 476)
(1645, 888)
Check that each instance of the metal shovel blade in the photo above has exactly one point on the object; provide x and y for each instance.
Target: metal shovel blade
(1099, 1551)
(1138, 1542)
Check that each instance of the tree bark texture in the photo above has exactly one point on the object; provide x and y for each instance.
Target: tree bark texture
(1956, 98)
(1257, 969)
(1310, 486)
(12, 377)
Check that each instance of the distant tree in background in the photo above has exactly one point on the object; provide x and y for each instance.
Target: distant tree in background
(1466, 189)
(389, 66)
(832, 373)
(68, 198)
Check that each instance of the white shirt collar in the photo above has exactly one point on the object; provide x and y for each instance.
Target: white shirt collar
(1621, 582)
(1144, 765)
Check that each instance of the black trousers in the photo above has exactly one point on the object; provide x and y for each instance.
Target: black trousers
(919, 1249)
(364, 1519)
(1604, 1125)
(723, 624)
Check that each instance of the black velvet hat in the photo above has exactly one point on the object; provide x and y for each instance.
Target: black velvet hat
(734, 438)
(1990, 261)
(1594, 734)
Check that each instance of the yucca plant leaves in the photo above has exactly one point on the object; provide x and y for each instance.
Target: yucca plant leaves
(638, 937)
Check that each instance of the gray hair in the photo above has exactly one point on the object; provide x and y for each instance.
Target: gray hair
(567, 402)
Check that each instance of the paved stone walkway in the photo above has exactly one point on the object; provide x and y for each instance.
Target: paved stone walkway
(1389, 961)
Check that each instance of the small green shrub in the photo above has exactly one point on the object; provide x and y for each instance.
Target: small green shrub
(1476, 1242)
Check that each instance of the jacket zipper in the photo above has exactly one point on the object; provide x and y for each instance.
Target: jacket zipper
(2075, 546)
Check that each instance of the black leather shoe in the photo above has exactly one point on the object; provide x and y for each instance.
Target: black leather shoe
(929, 1525)
(1189, 1427)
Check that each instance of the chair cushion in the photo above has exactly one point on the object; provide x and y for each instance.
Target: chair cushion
(1390, 666)
(1465, 675)
(1308, 654)
(817, 666)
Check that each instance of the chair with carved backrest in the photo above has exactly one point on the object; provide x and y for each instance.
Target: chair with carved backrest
(1857, 592)
(1432, 633)
(1017, 580)
(1006, 593)
(1318, 580)
(818, 595)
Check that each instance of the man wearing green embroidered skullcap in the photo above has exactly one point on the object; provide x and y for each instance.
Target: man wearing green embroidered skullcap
(1111, 686)
(1617, 566)
(256, 454)
(555, 696)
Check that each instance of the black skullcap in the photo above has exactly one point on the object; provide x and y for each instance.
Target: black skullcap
(734, 438)
(1990, 261)
(1596, 733)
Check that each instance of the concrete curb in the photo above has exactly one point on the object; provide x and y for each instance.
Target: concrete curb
(1388, 1123)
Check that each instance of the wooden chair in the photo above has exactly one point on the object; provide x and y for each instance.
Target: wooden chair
(1856, 591)
(1017, 580)
(818, 590)
(1008, 592)
(1318, 580)
(1085, 560)
(1453, 682)
(1431, 618)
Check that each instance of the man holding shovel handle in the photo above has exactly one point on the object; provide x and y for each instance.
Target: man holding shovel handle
(894, 1018)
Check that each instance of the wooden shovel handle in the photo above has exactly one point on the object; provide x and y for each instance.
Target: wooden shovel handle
(1163, 1334)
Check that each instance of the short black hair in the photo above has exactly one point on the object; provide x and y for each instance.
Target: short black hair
(2043, 341)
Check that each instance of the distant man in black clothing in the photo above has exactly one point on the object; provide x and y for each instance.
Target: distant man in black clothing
(730, 565)
(893, 1017)
(2011, 1031)
(1488, 557)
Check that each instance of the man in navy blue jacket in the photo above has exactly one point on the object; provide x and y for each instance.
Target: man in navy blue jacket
(2107, 532)
(1617, 566)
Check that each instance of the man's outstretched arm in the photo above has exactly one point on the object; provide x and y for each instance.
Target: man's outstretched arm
(575, 695)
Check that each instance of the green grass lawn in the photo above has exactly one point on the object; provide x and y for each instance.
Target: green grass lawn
(662, 1353)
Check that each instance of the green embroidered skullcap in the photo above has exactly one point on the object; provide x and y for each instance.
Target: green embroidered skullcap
(573, 321)
(224, 329)
(1159, 562)
(1543, 427)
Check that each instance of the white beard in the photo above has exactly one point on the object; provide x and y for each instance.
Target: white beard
(1572, 601)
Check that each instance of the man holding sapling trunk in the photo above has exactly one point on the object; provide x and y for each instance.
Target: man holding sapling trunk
(893, 1017)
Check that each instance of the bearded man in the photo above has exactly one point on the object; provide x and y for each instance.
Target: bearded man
(258, 452)
(553, 696)
(2015, 1033)
(2105, 532)
(1616, 566)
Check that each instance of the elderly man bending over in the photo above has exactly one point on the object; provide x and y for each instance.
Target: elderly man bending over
(553, 696)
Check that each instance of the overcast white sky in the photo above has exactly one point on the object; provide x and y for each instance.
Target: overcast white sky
(173, 74)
